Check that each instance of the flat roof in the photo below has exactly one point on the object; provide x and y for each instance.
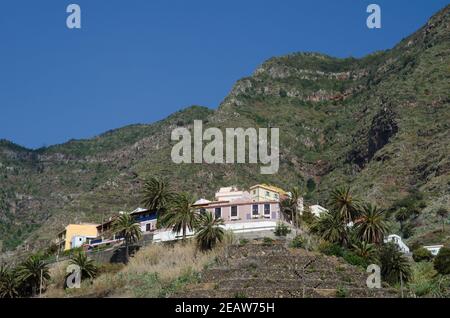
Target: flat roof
(240, 203)
(269, 187)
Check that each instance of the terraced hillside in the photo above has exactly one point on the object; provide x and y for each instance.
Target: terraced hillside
(257, 270)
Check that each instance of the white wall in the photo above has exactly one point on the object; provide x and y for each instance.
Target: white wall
(398, 241)
(238, 227)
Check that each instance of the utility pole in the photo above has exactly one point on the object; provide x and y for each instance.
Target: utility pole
(40, 285)
(401, 282)
(103, 221)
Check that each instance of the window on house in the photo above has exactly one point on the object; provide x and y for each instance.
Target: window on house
(234, 212)
(202, 211)
(218, 213)
(266, 209)
(254, 191)
(255, 209)
(148, 227)
(276, 195)
(267, 194)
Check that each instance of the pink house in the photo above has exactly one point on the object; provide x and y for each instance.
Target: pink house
(242, 210)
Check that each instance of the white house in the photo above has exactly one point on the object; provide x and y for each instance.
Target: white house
(434, 249)
(397, 240)
(317, 210)
(79, 240)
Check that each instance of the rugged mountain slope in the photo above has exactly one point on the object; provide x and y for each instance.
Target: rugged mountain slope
(380, 123)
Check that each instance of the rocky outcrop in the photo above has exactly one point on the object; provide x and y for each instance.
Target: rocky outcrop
(382, 129)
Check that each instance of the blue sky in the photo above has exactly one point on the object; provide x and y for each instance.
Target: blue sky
(137, 61)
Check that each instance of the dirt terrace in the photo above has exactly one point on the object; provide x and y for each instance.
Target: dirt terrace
(271, 271)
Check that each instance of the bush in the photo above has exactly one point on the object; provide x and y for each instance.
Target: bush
(282, 229)
(354, 259)
(308, 217)
(240, 295)
(73, 251)
(341, 292)
(442, 261)
(331, 249)
(267, 241)
(422, 254)
(297, 242)
(243, 241)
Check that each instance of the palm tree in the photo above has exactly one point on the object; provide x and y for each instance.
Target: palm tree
(443, 214)
(332, 228)
(394, 265)
(289, 206)
(157, 194)
(126, 227)
(210, 231)
(87, 266)
(181, 214)
(365, 250)
(287, 210)
(34, 272)
(402, 216)
(371, 225)
(343, 201)
(9, 283)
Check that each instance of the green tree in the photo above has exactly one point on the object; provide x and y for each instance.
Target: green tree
(34, 273)
(9, 283)
(395, 267)
(407, 230)
(126, 226)
(157, 194)
(181, 215)
(310, 185)
(443, 214)
(365, 250)
(422, 254)
(402, 216)
(371, 225)
(290, 206)
(209, 231)
(87, 266)
(331, 228)
(442, 261)
(343, 201)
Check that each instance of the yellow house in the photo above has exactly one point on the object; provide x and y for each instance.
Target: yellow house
(79, 232)
(265, 192)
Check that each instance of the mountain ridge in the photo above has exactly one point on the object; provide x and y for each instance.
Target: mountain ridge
(368, 122)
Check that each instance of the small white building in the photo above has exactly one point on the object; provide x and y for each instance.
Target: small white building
(78, 241)
(397, 240)
(434, 249)
(317, 210)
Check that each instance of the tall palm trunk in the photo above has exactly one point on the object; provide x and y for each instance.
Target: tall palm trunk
(184, 231)
(127, 252)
